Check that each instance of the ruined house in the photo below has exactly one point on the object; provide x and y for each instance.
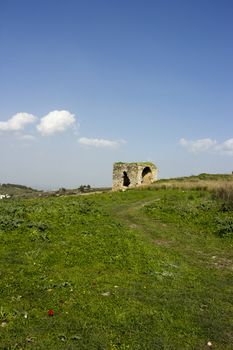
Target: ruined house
(129, 175)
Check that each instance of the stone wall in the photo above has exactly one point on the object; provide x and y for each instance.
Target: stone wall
(129, 175)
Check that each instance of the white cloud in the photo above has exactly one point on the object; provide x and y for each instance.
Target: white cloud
(208, 144)
(100, 143)
(56, 122)
(198, 145)
(226, 147)
(17, 122)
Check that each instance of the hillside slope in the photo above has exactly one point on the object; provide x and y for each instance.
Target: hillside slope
(143, 269)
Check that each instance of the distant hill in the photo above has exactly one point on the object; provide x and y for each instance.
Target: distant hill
(15, 189)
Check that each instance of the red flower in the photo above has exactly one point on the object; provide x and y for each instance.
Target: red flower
(51, 312)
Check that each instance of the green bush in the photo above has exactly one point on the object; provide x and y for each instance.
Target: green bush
(224, 227)
(225, 194)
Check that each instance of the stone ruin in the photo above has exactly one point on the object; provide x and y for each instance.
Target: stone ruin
(130, 175)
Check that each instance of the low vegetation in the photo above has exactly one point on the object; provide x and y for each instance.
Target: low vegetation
(142, 269)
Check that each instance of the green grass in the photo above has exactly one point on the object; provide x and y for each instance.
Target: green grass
(143, 269)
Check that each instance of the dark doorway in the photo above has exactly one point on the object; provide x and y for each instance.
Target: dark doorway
(126, 180)
(146, 175)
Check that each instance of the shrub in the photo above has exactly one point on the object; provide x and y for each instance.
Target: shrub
(224, 227)
(225, 194)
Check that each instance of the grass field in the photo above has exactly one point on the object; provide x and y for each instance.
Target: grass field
(142, 269)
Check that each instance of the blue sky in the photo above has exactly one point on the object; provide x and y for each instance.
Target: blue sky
(86, 83)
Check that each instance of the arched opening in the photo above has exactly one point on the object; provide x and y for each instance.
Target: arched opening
(126, 180)
(146, 175)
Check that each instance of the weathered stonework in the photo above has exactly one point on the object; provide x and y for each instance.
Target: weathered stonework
(129, 175)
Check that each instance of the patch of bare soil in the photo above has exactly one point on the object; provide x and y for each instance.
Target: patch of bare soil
(134, 226)
(222, 263)
(162, 242)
